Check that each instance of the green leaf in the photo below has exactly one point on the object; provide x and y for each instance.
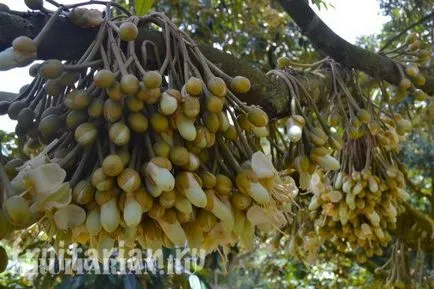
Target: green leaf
(143, 6)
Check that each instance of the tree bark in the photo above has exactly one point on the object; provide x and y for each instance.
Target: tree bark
(324, 39)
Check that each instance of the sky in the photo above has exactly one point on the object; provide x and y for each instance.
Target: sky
(349, 19)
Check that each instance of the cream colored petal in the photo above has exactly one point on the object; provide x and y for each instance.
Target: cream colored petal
(194, 193)
(257, 215)
(58, 199)
(161, 177)
(69, 217)
(259, 193)
(46, 178)
(262, 165)
(174, 232)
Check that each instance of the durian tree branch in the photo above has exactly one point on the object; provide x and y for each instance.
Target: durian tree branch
(351, 56)
(68, 42)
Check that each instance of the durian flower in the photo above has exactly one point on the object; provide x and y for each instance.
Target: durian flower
(187, 183)
(58, 199)
(46, 182)
(281, 187)
(218, 236)
(45, 179)
(174, 232)
(248, 183)
(262, 165)
(185, 127)
(158, 179)
(262, 216)
(69, 217)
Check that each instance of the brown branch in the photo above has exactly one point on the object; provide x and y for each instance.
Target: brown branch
(68, 42)
(324, 39)
(413, 225)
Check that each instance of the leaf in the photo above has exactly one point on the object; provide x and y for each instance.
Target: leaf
(143, 6)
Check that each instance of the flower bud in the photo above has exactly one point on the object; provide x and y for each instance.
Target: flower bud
(132, 212)
(129, 180)
(83, 192)
(102, 197)
(112, 165)
(185, 127)
(158, 178)
(257, 116)
(188, 184)
(240, 201)
(110, 215)
(159, 122)
(157, 211)
(85, 134)
(191, 107)
(217, 86)
(248, 183)
(240, 84)
(115, 92)
(167, 199)
(231, 133)
(193, 163)
(101, 181)
(168, 103)
(134, 104)
(193, 86)
(128, 31)
(223, 185)
(129, 84)
(144, 199)
(212, 122)
(119, 133)
(152, 79)
(327, 162)
(295, 133)
(104, 78)
(77, 99)
(93, 222)
(260, 131)
(214, 104)
(183, 205)
(179, 156)
(209, 180)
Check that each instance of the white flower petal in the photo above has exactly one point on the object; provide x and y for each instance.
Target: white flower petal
(262, 165)
(69, 217)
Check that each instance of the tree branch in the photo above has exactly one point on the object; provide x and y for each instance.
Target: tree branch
(68, 42)
(324, 39)
(411, 26)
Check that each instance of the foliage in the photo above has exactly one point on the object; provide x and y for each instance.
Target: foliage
(404, 13)
(142, 6)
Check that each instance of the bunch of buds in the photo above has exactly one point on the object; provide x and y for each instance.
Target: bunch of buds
(123, 146)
